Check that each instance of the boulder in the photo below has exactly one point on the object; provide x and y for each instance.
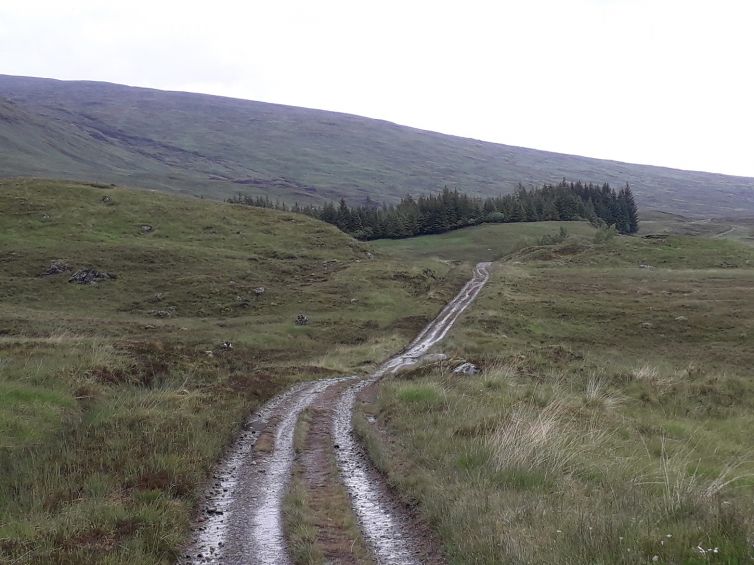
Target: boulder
(467, 369)
(259, 291)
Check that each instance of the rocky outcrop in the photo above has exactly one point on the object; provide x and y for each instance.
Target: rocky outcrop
(91, 276)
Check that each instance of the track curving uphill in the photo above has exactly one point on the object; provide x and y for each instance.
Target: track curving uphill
(240, 520)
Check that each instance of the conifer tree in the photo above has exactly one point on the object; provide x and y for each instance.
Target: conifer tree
(631, 210)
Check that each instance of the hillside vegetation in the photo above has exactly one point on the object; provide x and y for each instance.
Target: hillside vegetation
(117, 398)
(611, 421)
(216, 147)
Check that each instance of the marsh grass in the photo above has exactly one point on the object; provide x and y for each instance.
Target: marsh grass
(590, 436)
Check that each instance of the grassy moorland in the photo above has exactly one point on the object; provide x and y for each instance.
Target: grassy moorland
(116, 398)
(216, 147)
(612, 421)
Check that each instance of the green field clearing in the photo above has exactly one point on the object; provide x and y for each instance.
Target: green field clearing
(486, 242)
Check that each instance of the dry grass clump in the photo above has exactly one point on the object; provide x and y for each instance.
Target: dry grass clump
(678, 475)
(518, 465)
(597, 394)
(546, 439)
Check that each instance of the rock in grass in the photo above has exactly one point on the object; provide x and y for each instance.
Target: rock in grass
(302, 320)
(56, 267)
(467, 369)
(91, 276)
(168, 312)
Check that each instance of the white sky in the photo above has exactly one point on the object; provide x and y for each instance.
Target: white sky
(665, 82)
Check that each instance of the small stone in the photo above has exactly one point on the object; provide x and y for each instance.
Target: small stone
(467, 369)
(169, 312)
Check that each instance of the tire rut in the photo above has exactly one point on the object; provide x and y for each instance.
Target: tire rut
(386, 526)
(240, 518)
(338, 536)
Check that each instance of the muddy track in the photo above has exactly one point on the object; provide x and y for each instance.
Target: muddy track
(240, 519)
(337, 536)
(386, 527)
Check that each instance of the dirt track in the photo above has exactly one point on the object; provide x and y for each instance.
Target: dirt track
(241, 516)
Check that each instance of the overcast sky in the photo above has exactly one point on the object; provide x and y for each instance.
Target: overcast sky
(665, 82)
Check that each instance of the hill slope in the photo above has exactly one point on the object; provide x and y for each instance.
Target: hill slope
(116, 398)
(216, 146)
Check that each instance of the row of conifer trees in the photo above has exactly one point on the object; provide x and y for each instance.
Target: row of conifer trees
(451, 209)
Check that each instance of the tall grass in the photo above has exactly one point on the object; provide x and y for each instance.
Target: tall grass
(541, 439)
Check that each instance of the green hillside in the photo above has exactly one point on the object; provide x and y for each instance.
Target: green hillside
(216, 147)
(117, 398)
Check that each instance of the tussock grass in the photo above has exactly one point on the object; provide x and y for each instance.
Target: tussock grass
(678, 474)
(541, 439)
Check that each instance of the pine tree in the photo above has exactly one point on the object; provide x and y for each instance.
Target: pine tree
(631, 210)
(343, 220)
